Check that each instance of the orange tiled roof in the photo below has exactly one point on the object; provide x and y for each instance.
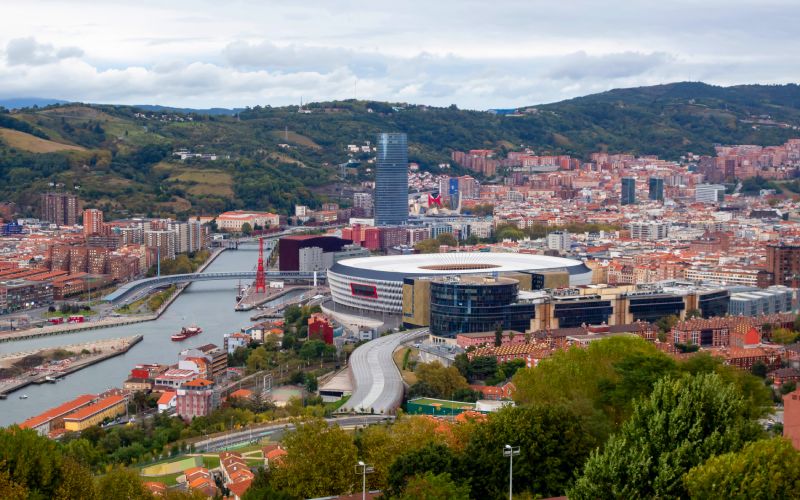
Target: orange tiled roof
(90, 410)
(58, 411)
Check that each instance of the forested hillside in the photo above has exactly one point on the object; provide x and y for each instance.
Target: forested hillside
(272, 158)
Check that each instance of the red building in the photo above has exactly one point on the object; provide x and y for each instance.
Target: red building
(791, 417)
(320, 327)
(195, 399)
(92, 222)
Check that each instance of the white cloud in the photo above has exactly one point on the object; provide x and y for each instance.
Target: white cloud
(512, 53)
(27, 51)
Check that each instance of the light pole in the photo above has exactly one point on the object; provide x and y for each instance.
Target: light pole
(364, 469)
(509, 451)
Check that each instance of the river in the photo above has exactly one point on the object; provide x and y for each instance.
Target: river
(207, 304)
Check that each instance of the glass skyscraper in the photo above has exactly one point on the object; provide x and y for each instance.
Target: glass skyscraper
(656, 189)
(391, 180)
(628, 191)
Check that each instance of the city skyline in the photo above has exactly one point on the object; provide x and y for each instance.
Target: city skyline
(204, 55)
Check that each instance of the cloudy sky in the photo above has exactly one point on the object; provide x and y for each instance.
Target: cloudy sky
(476, 54)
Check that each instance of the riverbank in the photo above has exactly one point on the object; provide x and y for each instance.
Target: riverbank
(89, 353)
(48, 330)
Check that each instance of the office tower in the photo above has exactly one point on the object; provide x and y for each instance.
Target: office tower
(709, 193)
(656, 189)
(92, 221)
(628, 191)
(391, 180)
(60, 208)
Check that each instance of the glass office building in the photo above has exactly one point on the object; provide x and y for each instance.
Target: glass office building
(391, 180)
(477, 304)
(628, 191)
(656, 190)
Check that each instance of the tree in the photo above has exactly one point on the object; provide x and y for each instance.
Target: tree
(443, 380)
(427, 246)
(552, 441)
(783, 336)
(482, 367)
(382, 445)
(9, 488)
(586, 378)
(447, 239)
(684, 422)
(33, 461)
(694, 313)
(759, 369)
(763, 469)
(247, 229)
(434, 458)
(319, 461)
(77, 482)
(311, 383)
(122, 484)
(434, 487)
(258, 360)
(498, 336)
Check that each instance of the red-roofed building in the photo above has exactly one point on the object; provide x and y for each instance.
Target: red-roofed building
(167, 401)
(156, 488)
(199, 479)
(273, 454)
(195, 399)
(53, 419)
(106, 408)
(237, 476)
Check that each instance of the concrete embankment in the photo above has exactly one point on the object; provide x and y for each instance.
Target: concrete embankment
(48, 330)
(41, 376)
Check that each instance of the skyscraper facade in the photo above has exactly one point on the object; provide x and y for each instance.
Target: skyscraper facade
(60, 208)
(656, 191)
(92, 221)
(628, 191)
(391, 180)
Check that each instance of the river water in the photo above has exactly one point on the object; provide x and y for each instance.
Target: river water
(208, 304)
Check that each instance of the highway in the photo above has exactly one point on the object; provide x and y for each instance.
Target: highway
(275, 432)
(378, 386)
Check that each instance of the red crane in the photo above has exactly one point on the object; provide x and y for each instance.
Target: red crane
(261, 280)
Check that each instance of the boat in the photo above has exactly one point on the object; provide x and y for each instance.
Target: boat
(24, 396)
(186, 332)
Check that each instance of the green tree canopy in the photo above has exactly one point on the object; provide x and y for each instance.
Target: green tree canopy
(684, 422)
(444, 381)
(320, 461)
(767, 469)
(434, 487)
(552, 443)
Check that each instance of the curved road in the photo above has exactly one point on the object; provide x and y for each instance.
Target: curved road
(378, 386)
(275, 432)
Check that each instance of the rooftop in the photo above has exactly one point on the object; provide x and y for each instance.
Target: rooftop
(58, 411)
(93, 409)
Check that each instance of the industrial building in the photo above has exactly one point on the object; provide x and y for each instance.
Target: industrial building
(755, 302)
(312, 252)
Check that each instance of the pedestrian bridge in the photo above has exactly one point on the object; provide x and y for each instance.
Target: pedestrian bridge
(129, 290)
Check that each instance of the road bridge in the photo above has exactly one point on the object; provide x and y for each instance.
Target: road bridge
(133, 288)
(378, 383)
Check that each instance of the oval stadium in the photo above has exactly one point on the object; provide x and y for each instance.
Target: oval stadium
(375, 284)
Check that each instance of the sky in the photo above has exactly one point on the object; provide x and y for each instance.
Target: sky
(475, 54)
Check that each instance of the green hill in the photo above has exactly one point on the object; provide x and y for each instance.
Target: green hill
(275, 157)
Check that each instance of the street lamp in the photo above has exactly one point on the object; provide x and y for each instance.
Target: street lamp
(364, 469)
(509, 451)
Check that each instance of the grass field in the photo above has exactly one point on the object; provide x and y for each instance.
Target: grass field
(28, 142)
(168, 479)
(295, 138)
(198, 181)
(174, 467)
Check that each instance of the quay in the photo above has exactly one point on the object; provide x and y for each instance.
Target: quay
(51, 376)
